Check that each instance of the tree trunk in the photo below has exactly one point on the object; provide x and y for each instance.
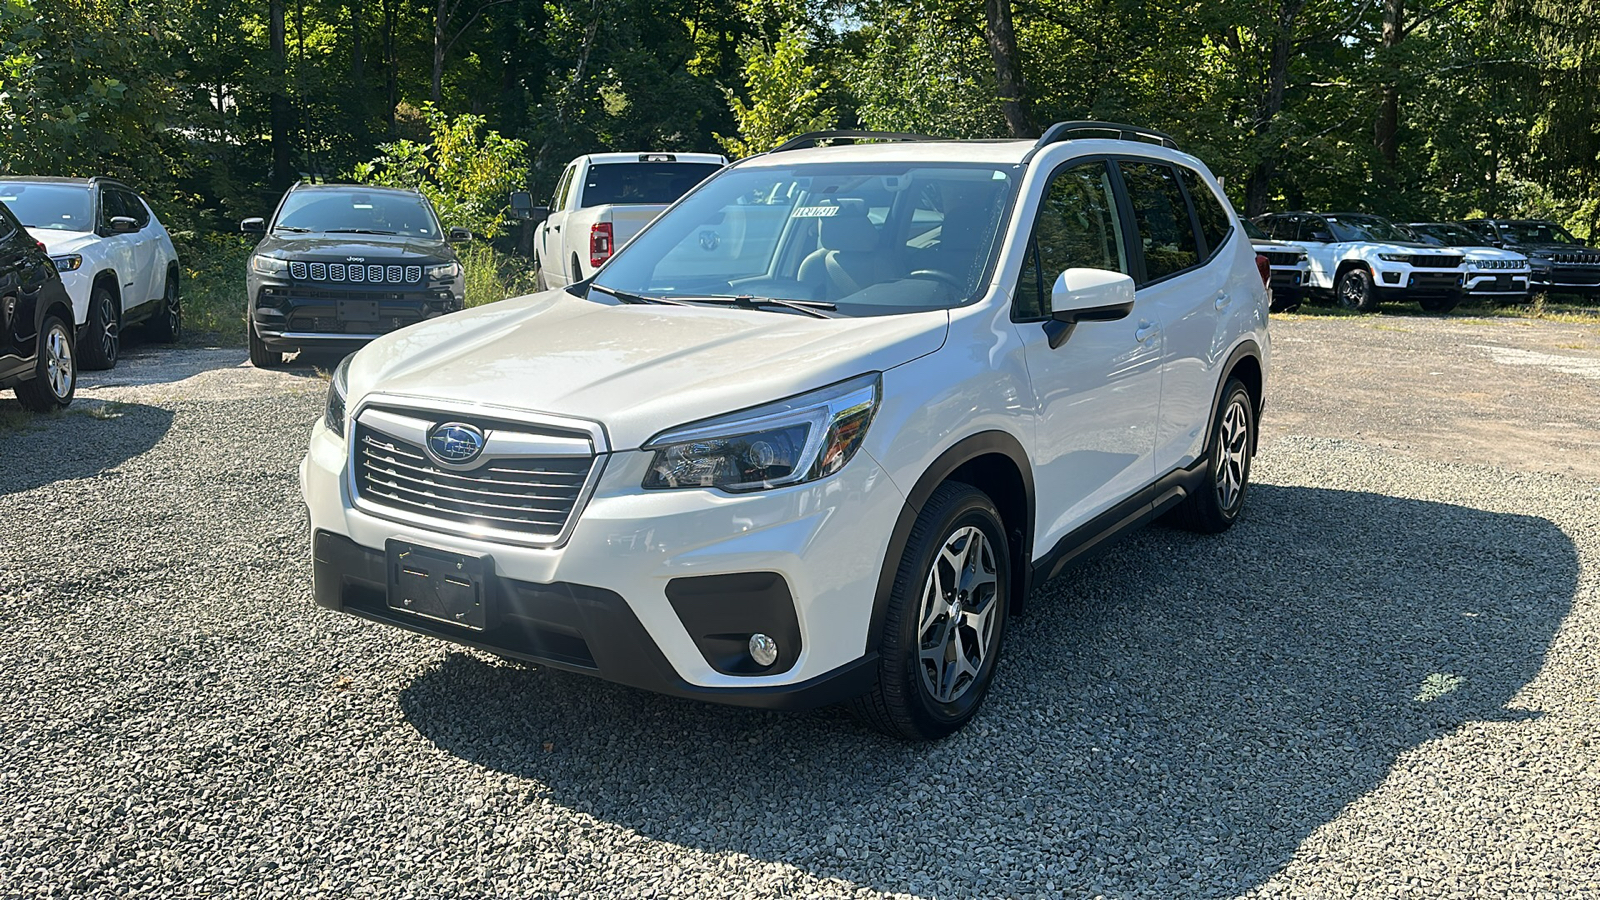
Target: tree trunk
(1271, 104)
(439, 21)
(391, 62)
(1386, 130)
(1008, 69)
(282, 169)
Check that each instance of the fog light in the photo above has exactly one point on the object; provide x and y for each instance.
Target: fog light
(763, 649)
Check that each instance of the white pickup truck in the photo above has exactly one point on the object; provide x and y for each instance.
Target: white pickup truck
(600, 203)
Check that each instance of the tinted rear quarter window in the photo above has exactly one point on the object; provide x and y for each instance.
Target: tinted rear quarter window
(1214, 223)
(1166, 231)
(651, 183)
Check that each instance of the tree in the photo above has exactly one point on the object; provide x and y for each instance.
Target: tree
(785, 95)
(468, 173)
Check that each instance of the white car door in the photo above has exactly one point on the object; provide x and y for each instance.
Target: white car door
(116, 251)
(146, 252)
(551, 255)
(1098, 394)
(1322, 252)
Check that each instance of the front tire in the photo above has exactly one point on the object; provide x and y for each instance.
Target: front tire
(945, 621)
(261, 356)
(1215, 506)
(55, 376)
(102, 340)
(1355, 291)
(166, 326)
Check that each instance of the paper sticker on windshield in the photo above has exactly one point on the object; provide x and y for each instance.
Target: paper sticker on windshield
(815, 212)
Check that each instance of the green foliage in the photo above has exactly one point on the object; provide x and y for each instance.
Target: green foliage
(493, 276)
(212, 285)
(466, 172)
(786, 95)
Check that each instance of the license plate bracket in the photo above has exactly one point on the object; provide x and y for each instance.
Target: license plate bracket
(439, 585)
(356, 310)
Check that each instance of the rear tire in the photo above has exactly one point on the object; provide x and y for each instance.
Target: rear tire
(1215, 506)
(102, 340)
(261, 356)
(166, 326)
(55, 374)
(946, 619)
(1355, 291)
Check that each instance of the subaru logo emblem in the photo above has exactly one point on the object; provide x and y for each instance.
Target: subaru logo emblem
(455, 443)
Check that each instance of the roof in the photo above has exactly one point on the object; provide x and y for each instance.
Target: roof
(308, 186)
(51, 179)
(992, 152)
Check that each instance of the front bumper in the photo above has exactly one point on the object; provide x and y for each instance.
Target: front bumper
(800, 563)
(1498, 285)
(1288, 283)
(1404, 282)
(288, 316)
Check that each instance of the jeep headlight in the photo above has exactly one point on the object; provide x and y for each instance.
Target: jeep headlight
(440, 273)
(789, 442)
(338, 387)
(1395, 257)
(268, 265)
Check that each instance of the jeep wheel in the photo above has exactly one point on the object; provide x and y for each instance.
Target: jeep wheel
(1215, 506)
(1354, 291)
(945, 621)
(55, 374)
(1439, 304)
(101, 339)
(166, 325)
(261, 356)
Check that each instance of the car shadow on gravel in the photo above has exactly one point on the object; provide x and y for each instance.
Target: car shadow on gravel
(1174, 718)
(85, 440)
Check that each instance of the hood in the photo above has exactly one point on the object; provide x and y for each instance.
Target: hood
(59, 242)
(637, 370)
(1277, 246)
(337, 247)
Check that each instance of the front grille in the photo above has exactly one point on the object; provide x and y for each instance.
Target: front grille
(1576, 259)
(1281, 259)
(1435, 261)
(350, 273)
(532, 496)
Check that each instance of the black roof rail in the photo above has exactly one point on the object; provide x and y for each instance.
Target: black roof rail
(812, 138)
(1061, 131)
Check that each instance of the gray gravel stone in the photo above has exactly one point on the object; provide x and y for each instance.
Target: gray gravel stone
(1381, 683)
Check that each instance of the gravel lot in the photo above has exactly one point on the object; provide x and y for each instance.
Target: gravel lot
(1381, 683)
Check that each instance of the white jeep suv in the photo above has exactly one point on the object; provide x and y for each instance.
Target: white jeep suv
(815, 434)
(1361, 260)
(115, 258)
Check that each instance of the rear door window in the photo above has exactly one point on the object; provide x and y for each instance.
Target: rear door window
(1215, 226)
(1166, 229)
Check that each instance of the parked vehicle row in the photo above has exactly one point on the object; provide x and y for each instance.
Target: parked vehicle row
(1561, 262)
(38, 345)
(812, 435)
(114, 256)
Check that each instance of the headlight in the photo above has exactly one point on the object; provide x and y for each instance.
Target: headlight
(1395, 257)
(448, 270)
(68, 263)
(789, 442)
(333, 413)
(268, 265)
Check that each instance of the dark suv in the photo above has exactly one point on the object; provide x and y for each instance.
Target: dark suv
(342, 264)
(1560, 261)
(37, 350)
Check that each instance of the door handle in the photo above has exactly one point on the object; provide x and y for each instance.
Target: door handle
(1145, 330)
(1223, 299)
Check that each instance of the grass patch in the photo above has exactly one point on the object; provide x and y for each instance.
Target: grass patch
(15, 418)
(493, 276)
(1548, 308)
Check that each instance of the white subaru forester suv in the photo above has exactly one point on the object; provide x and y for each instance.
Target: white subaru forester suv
(815, 433)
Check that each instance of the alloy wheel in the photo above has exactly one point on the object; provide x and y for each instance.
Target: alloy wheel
(174, 311)
(108, 339)
(1233, 463)
(956, 624)
(59, 373)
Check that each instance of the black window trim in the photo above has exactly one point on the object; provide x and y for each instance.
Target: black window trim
(1142, 281)
(1194, 216)
(1124, 224)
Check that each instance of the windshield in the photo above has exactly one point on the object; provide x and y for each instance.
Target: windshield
(54, 207)
(1365, 228)
(872, 238)
(1451, 235)
(1532, 233)
(1254, 232)
(357, 211)
(660, 182)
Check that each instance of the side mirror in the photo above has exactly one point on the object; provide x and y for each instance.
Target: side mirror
(1086, 295)
(123, 225)
(459, 235)
(254, 225)
(522, 208)
(1321, 237)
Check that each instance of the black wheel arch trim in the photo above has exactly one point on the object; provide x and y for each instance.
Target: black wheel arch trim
(1246, 348)
(984, 443)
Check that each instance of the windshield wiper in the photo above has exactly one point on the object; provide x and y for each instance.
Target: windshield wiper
(357, 231)
(626, 297)
(816, 308)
